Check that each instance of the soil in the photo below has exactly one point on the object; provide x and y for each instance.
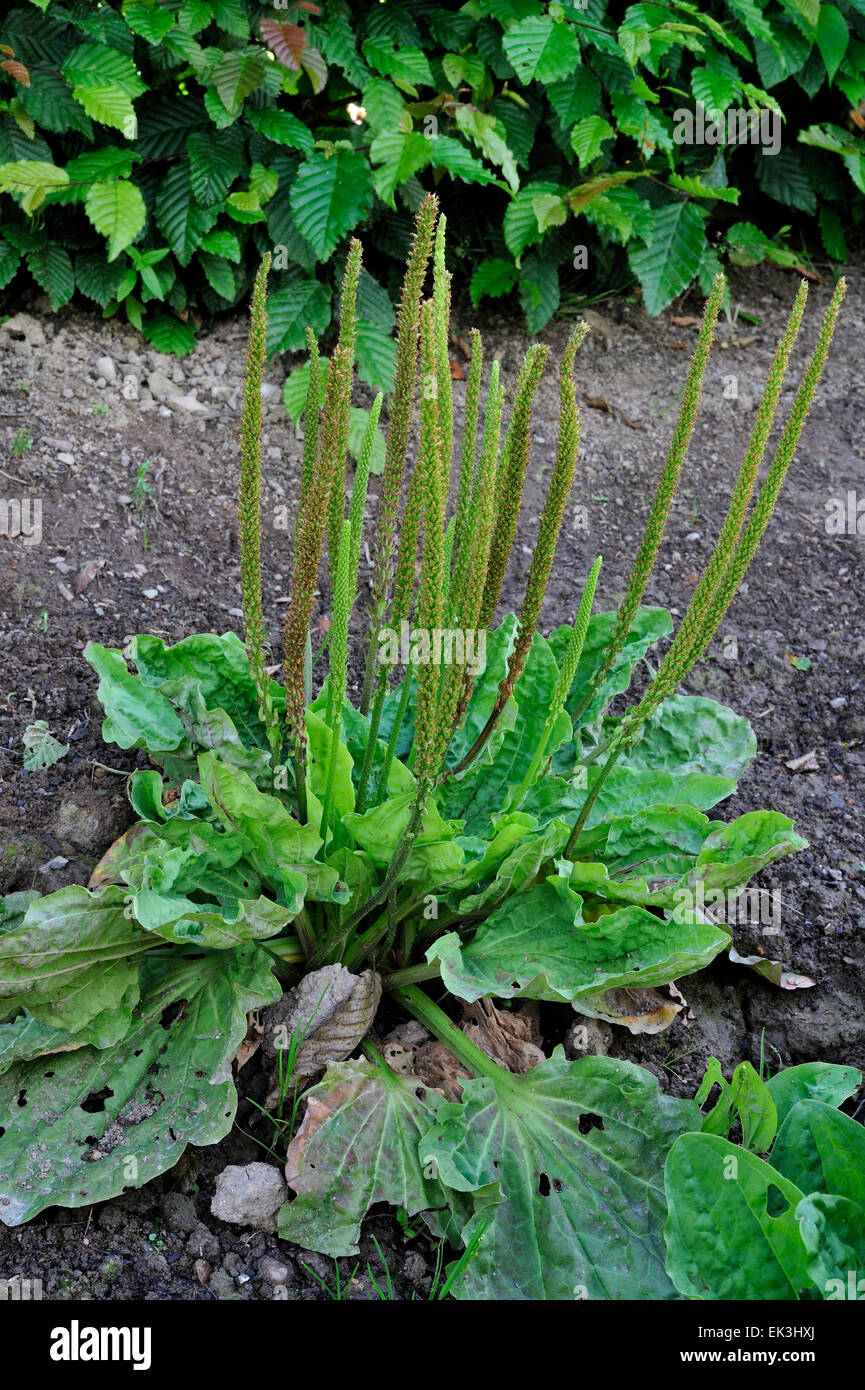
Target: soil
(138, 535)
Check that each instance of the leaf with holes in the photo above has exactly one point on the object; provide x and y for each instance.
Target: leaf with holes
(122, 1115)
(358, 1145)
(576, 1149)
(329, 197)
(732, 1231)
(118, 212)
(74, 955)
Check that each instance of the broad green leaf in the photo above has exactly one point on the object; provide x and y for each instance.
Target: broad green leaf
(377, 1117)
(50, 103)
(668, 261)
(74, 955)
(539, 48)
(588, 136)
(756, 1110)
(224, 244)
(26, 1038)
(833, 36)
(303, 301)
(182, 222)
(732, 1231)
(9, 262)
(329, 197)
(219, 274)
(489, 136)
(493, 277)
(698, 189)
(693, 733)
(235, 77)
(460, 163)
(576, 1150)
(649, 625)
(96, 65)
(150, 21)
(821, 1149)
(215, 160)
(537, 944)
(117, 211)
(713, 89)
(399, 154)
(435, 857)
(357, 426)
(32, 179)
(51, 268)
(384, 107)
(282, 127)
(136, 715)
(403, 64)
(521, 223)
(783, 178)
(576, 96)
(109, 105)
(169, 334)
(539, 290)
(280, 844)
(824, 1081)
(120, 1116)
(732, 853)
(833, 1234)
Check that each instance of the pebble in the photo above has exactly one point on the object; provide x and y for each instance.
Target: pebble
(250, 1195)
(66, 458)
(274, 1271)
(839, 702)
(106, 368)
(694, 536)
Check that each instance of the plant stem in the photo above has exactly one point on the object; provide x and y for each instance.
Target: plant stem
(453, 1038)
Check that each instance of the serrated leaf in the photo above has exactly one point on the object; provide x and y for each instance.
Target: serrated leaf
(783, 178)
(94, 65)
(698, 189)
(376, 1116)
(215, 160)
(329, 197)
(51, 268)
(723, 1242)
(286, 42)
(109, 106)
(714, 90)
(43, 749)
(10, 259)
(575, 1149)
(169, 334)
(224, 244)
(588, 136)
(118, 212)
(538, 47)
(235, 77)
(384, 107)
(150, 21)
(282, 127)
(375, 352)
(32, 179)
(399, 154)
(669, 260)
(166, 1084)
(52, 106)
(358, 421)
(521, 224)
(539, 291)
(452, 155)
(575, 97)
(494, 277)
(180, 219)
(290, 309)
(403, 64)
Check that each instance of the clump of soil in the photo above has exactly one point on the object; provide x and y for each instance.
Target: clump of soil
(133, 460)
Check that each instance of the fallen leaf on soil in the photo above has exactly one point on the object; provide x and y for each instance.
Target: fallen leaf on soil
(632, 424)
(678, 345)
(598, 403)
(509, 1038)
(251, 1043)
(330, 1011)
(108, 869)
(202, 1271)
(458, 341)
(439, 1069)
(640, 1011)
(772, 971)
(806, 763)
(691, 577)
(86, 575)
(683, 320)
(457, 373)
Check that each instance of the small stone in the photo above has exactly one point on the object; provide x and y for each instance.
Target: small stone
(66, 458)
(694, 536)
(274, 1271)
(839, 702)
(250, 1195)
(27, 327)
(68, 393)
(150, 593)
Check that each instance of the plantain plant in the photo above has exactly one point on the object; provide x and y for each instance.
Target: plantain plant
(478, 823)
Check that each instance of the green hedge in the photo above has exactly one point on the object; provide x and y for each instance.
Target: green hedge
(150, 150)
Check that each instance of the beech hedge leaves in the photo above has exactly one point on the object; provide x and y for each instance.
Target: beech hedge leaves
(152, 150)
